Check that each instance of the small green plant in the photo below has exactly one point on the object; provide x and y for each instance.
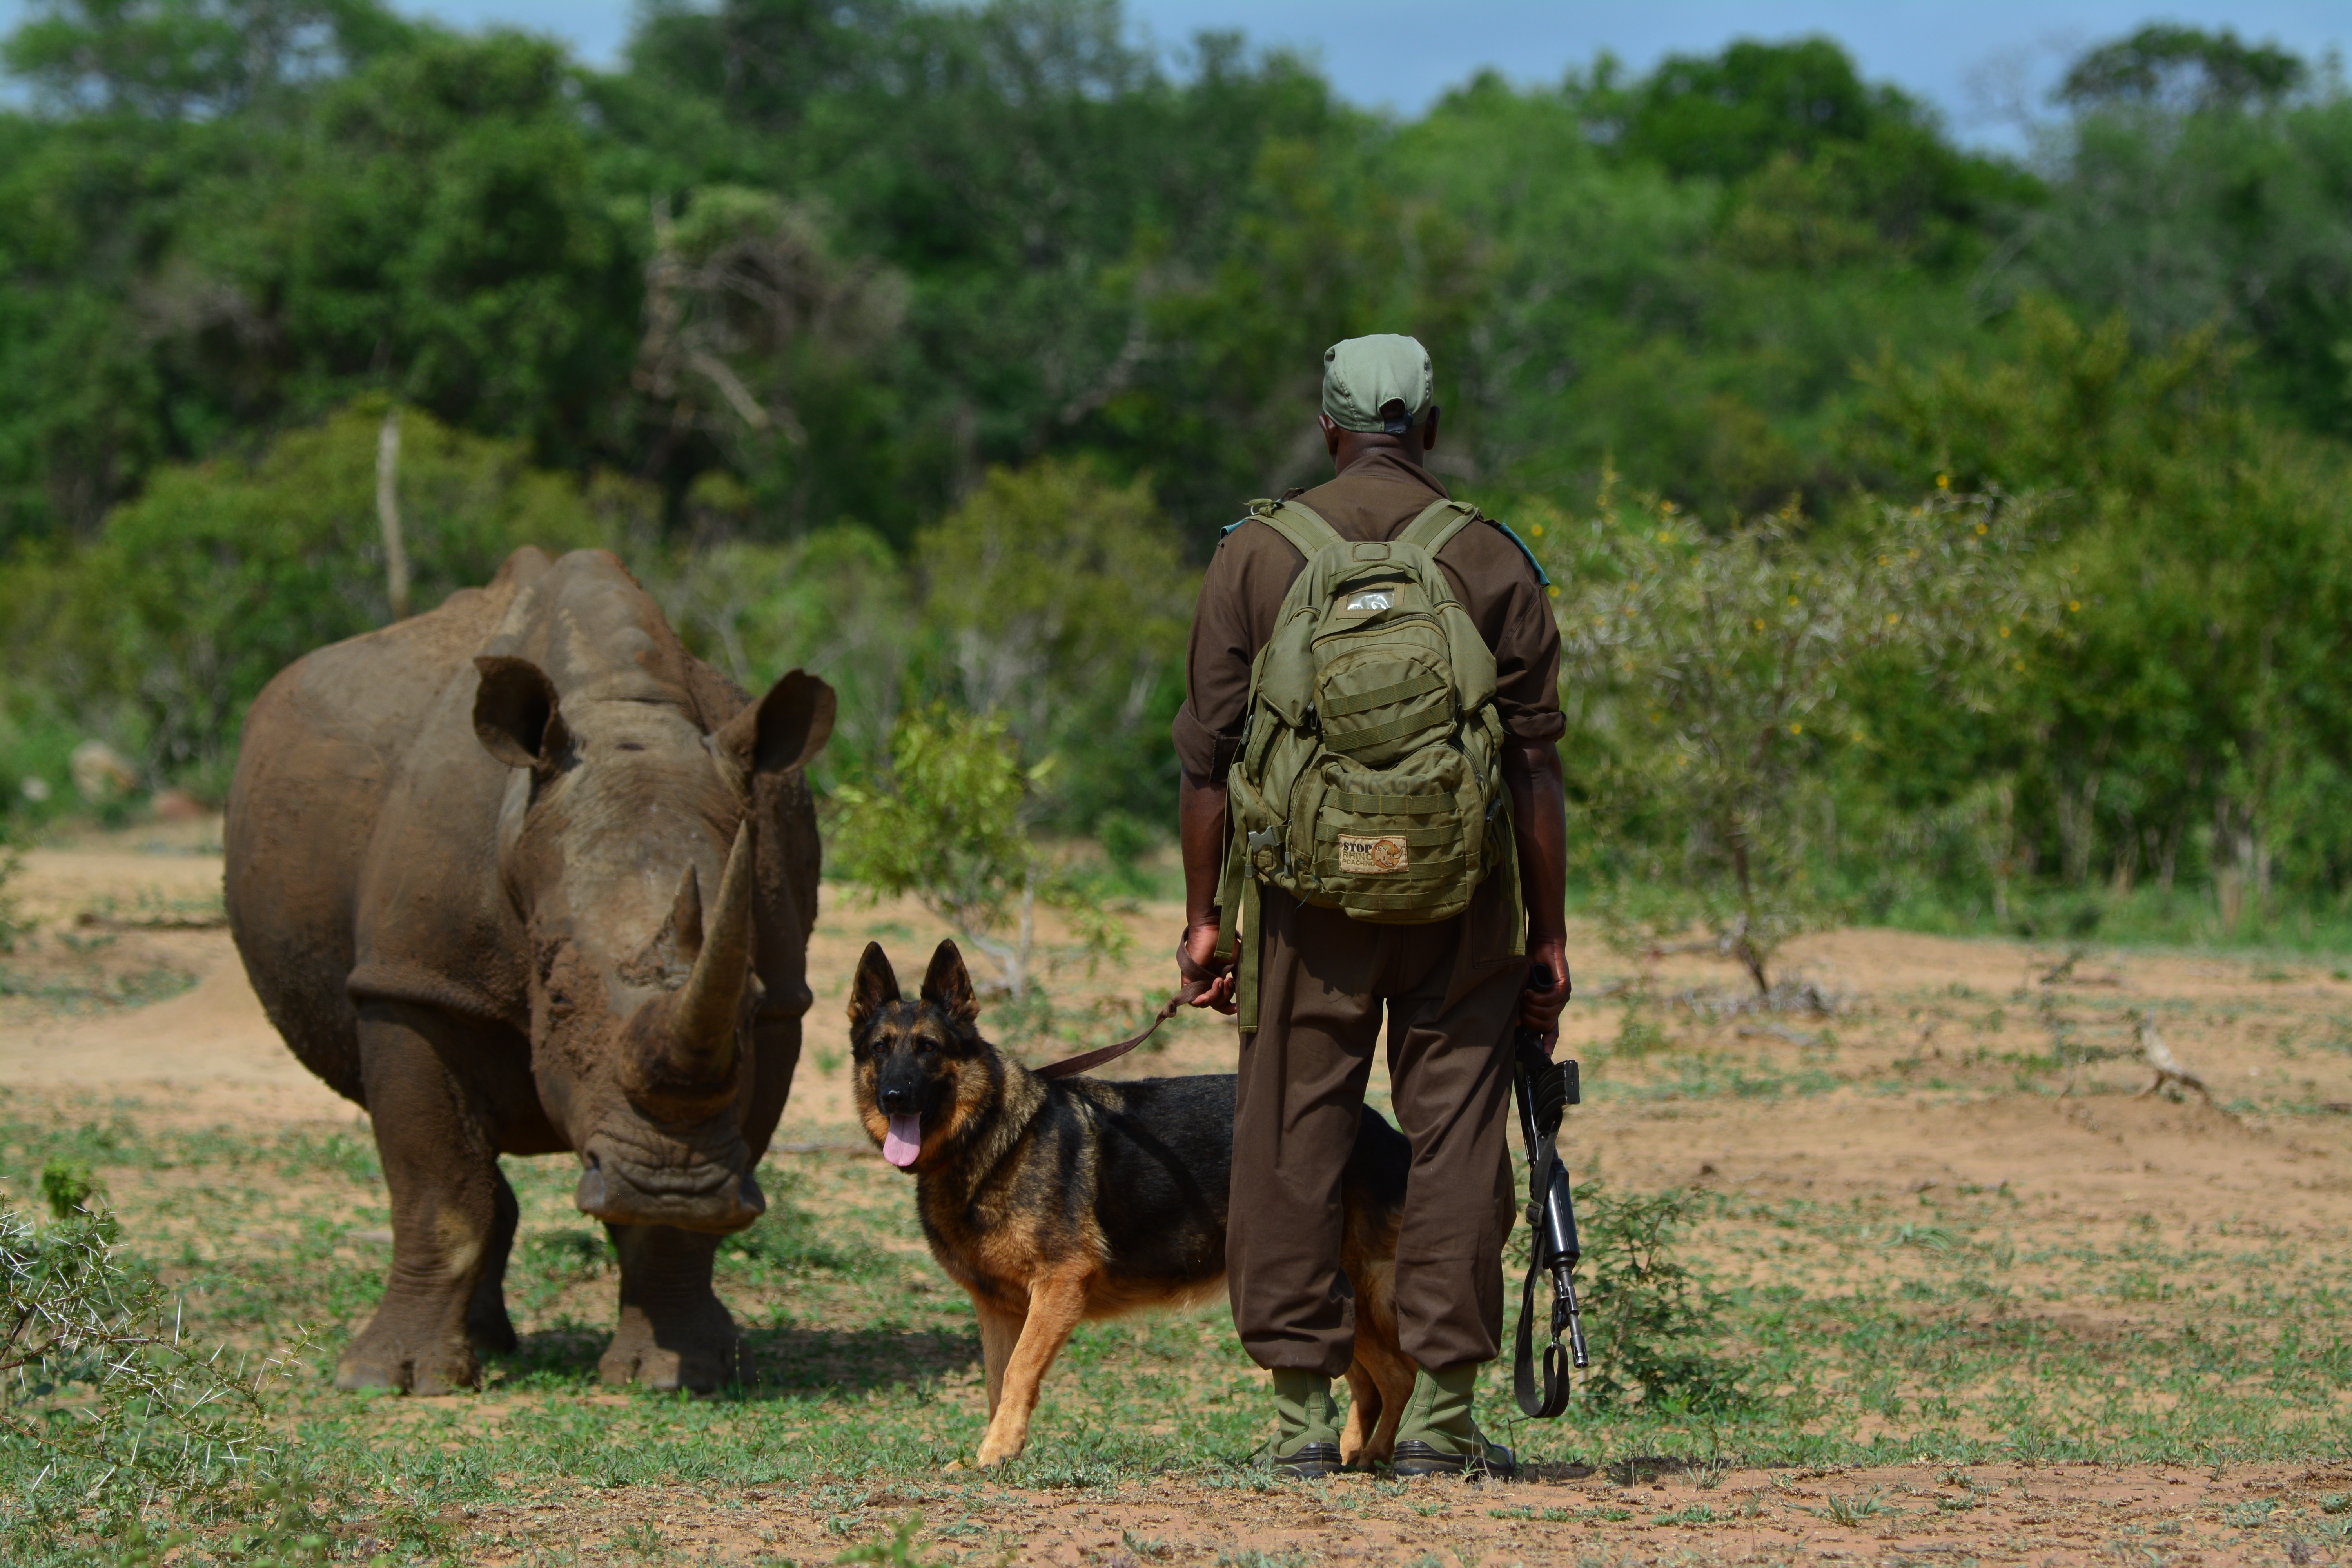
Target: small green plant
(67, 1187)
(948, 827)
(899, 1551)
(1853, 1512)
(1651, 1322)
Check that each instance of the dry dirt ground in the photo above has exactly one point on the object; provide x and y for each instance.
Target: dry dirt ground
(2000, 1068)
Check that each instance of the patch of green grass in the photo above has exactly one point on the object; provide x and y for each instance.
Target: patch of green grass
(95, 993)
(1969, 1330)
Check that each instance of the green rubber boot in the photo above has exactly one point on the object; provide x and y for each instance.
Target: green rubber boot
(1435, 1436)
(1306, 1424)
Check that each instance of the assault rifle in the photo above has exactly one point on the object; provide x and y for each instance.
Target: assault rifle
(1546, 1088)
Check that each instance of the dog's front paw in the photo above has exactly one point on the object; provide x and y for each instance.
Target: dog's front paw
(995, 1449)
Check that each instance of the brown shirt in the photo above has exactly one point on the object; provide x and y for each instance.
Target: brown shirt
(1374, 499)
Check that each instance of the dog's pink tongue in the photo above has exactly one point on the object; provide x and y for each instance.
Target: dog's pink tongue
(904, 1142)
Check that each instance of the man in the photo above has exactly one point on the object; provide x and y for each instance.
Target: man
(1452, 990)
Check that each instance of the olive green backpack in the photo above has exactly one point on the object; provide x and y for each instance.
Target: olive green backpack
(1367, 778)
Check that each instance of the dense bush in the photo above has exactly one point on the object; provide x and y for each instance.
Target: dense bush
(935, 343)
(167, 624)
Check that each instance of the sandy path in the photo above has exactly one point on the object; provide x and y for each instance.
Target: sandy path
(1909, 1514)
(211, 1056)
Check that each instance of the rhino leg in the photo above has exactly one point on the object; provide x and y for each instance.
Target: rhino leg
(674, 1332)
(487, 1326)
(438, 1160)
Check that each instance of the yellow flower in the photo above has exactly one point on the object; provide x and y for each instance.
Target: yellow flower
(1796, 728)
(1536, 529)
(1980, 530)
(1553, 590)
(1892, 618)
(1943, 481)
(2073, 605)
(1759, 623)
(1792, 601)
(2004, 631)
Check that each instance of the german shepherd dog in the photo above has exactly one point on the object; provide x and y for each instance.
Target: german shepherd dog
(1052, 1200)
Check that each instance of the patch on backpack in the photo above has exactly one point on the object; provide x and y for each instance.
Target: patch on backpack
(1361, 856)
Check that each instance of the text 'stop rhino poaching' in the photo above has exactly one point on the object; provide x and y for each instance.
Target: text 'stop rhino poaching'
(519, 876)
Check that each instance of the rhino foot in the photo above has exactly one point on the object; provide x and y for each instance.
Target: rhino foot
(383, 1357)
(695, 1347)
(487, 1326)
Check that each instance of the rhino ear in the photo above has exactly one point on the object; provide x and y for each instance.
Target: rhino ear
(949, 984)
(875, 987)
(783, 729)
(517, 715)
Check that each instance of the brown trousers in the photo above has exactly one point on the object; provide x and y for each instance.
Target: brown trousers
(1449, 991)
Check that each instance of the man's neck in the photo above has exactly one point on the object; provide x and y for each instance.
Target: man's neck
(1359, 446)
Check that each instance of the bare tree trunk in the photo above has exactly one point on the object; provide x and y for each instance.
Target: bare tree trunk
(387, 512)
(2003, 847)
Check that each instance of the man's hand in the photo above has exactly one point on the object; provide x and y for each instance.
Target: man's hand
(1539, 1010)
(1204, 980)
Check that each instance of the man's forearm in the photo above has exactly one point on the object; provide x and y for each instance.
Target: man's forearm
(1200, 827)
(1540, 826)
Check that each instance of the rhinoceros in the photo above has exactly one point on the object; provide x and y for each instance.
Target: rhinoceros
(521, 875)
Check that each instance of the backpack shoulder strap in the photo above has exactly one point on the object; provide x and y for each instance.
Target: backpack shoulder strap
(1434, 529)
(1301, 526)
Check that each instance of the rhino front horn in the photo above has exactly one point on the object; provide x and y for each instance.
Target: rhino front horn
(703, 1019)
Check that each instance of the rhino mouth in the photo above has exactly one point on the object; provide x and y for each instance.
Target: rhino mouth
(694, 1183)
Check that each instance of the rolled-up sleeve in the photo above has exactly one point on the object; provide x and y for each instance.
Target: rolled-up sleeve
(1216, 672)
(1527, 664)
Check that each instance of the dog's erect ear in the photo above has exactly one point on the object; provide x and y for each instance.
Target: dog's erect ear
(875, 987)
(949, 984)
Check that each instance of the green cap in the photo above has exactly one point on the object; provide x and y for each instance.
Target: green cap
(1364, 376)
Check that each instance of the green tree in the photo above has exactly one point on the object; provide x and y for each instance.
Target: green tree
(1704, 674)
(948, 827)
(1061, 603)
(2200, 182)
(838, 602)
(191, 597)
(2191, 718)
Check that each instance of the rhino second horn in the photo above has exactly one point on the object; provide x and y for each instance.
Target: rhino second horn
(686, 916)
(711, 1000)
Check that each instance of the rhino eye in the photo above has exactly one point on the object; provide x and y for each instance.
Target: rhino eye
(628, 746)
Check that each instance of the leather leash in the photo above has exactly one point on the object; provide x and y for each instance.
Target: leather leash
(1070, 1067)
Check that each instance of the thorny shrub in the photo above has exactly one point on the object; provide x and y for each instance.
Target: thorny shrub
(106, 1404)
(1653, 1324)
(1704, 672)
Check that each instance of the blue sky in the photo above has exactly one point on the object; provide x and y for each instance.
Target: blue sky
(1966, 59)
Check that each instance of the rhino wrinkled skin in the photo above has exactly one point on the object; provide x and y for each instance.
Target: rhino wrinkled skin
(521, 875)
